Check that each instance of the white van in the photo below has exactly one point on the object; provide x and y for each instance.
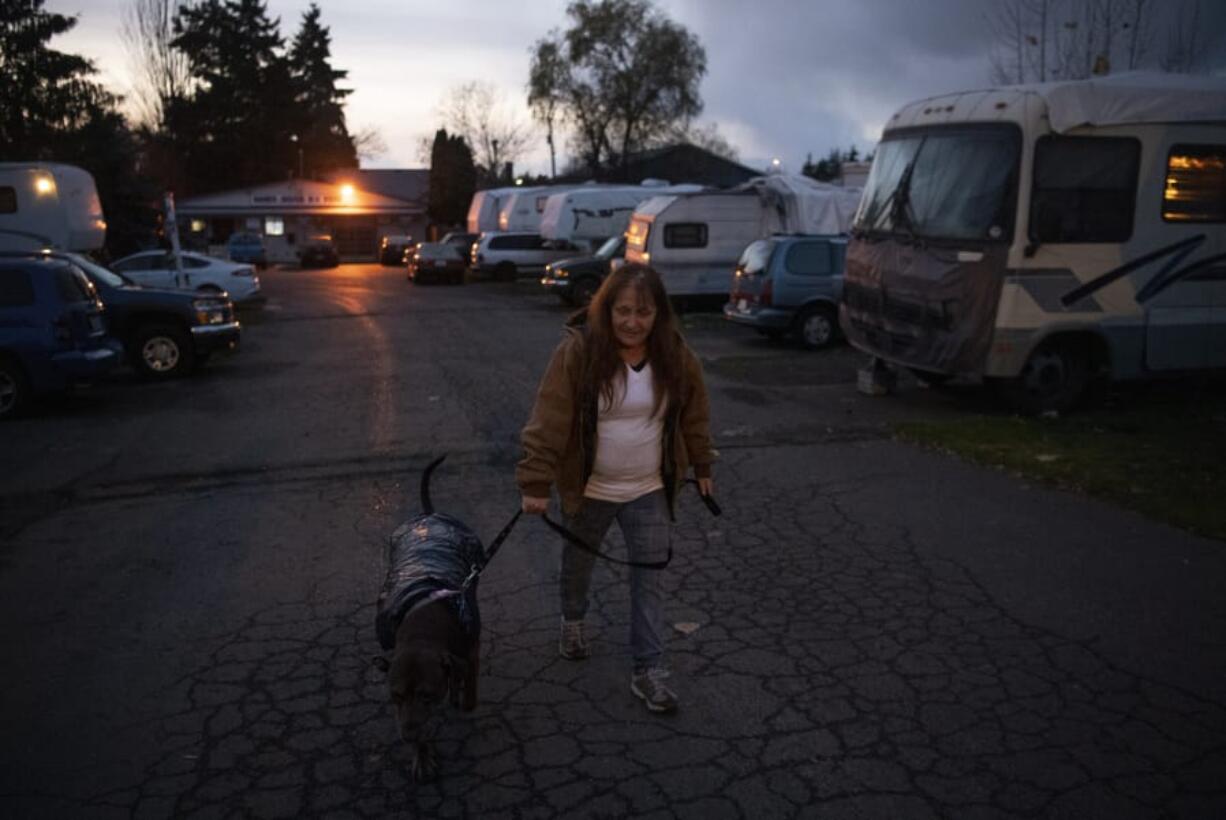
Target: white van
(1038, 236)
(595, 213)
(49, 205)
(694, 240)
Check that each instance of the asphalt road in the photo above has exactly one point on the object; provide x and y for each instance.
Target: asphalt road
(188, 574)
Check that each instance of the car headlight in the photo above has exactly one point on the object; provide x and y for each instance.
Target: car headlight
(560, 273)
(210, 311)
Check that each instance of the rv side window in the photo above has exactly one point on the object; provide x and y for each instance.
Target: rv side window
(16, 289)
(809, 259)
(1195, 184)
(685, 235)
(8, 199)
(1085, 189)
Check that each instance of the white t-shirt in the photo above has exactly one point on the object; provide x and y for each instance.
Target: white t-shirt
(628, 443)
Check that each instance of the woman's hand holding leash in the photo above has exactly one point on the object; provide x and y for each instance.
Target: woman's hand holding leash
(535, 506)
(706, 486)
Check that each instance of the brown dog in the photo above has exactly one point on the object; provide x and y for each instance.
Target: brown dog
(428, 619)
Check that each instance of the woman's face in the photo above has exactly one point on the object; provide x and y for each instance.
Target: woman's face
(633, 317)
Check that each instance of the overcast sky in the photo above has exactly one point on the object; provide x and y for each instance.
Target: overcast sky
(784, 77)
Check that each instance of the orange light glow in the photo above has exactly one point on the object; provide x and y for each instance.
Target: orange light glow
(348, 193)
(44, 185)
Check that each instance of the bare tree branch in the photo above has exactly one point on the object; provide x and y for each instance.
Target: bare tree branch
(162, 73)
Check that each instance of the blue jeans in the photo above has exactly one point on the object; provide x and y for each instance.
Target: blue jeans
(645, 526)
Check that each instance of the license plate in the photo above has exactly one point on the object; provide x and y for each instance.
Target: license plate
(742, 305)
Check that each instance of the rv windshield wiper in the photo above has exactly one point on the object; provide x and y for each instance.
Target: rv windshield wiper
(897, 206)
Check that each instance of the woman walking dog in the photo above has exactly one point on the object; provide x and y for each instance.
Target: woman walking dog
(621, 414)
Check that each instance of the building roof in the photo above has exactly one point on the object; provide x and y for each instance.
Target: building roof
(298, 197)
(408, 184)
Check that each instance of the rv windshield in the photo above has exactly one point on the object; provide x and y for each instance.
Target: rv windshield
(950, 182)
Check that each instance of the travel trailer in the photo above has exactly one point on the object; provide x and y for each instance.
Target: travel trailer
(595, 213)
(1041, 236)
(694, 240)
(49, 205)
(484, 208)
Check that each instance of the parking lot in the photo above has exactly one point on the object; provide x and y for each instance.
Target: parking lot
(189, 569)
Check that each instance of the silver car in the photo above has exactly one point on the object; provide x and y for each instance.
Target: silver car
(509, 255)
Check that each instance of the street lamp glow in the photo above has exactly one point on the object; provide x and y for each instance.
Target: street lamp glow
(44, 185)
(348, 193)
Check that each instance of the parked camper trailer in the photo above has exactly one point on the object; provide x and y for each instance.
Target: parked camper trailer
(1038, 236)
(694, 240)
(484, 208)
(49, 205)
(595, 213)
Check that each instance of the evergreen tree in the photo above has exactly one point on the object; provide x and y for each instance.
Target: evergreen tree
(234, 128)
(453, 179)
(46, 96)
(319, 112)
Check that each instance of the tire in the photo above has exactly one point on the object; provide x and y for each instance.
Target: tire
(1054, 379)
(161, 352)
(815, 327)
(504, 272)
(582, 291)
(15, 392)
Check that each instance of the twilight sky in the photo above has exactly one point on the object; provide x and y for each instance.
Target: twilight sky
(784, 77)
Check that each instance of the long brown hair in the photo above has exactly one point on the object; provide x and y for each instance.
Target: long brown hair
(604, 370)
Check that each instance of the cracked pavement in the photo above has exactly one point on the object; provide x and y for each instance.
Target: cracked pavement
(188, 576)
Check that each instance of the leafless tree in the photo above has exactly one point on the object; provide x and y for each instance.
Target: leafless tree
(369, 142)
(706, 137)
(1186, 45)
(1040, 40)
(495, 134)
(161, 73)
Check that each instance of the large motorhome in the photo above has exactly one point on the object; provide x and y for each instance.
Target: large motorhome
(1038, 236)
(595, 213)
(694, 240)
(48, 205)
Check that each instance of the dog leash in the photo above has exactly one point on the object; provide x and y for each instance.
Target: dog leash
(478, 567)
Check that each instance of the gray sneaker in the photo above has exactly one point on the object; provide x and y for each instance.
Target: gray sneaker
(572, 644)
(648, 685)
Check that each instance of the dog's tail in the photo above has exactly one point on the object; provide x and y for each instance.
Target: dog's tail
(426, 507)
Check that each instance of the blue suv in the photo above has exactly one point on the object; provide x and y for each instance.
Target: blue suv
(248, 248)
(52, 331)
(790, 285)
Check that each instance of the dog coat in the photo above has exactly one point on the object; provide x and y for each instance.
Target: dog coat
(429, 554)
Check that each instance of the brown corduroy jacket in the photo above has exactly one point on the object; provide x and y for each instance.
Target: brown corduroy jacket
(559, 440)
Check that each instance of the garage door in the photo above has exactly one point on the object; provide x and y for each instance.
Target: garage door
(355, 238)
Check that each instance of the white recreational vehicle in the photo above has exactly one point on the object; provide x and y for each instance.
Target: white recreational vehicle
(1038, 236)
(694, 240)
(595, 213)
(49, 205)
(524, 208)
(484, 208)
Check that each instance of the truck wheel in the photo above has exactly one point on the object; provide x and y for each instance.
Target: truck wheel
(14, 388)
(161, 352)
(583, 290)
(815, 327)
(1054, 378)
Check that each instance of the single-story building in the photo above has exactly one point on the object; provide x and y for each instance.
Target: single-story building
(353, 208)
